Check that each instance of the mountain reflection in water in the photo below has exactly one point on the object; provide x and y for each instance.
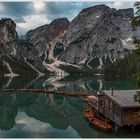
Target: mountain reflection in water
(43, 115)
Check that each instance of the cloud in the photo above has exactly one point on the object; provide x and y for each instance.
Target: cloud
(16, 10)
(29, 15)
(66, 9)
(119, 4)
(39, 6)
(1, 8)
(31, 22)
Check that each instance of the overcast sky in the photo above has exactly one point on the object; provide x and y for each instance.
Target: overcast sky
(29, 15)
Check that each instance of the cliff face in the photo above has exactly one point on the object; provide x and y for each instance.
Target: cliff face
(8, 35)
(45, 40)
(7, 31)
(46, 37)
(29, 54)
(13, 61)
(97, 36)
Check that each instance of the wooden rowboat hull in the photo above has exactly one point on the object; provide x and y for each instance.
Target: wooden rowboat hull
(98, 123)
(101, 125)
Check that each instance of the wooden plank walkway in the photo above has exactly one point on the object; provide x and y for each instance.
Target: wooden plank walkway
(44, 92)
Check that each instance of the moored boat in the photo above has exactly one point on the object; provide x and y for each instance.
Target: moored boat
(97, 122)
(100, 124)
(88, 113)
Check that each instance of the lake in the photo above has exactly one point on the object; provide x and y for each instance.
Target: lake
(53, 116)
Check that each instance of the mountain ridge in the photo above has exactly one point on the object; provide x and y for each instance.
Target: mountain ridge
(97, 36)
(93, 24)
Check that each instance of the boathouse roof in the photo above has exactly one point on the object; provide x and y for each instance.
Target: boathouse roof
(124, 98)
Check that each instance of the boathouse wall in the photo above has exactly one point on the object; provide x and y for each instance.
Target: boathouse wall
(131, 116)
(110, 109)
(116, 113)
(121, 111)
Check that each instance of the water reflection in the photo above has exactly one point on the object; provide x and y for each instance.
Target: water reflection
(59, 112)
(88, 84)
(42, 115)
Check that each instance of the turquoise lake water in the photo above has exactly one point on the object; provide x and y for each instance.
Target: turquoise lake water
(53, 116)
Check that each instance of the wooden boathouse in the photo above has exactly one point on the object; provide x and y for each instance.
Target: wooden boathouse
(118, 107)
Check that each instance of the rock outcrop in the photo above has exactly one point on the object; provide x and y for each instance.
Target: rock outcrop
(97, 36)
(30, 54)
(7, 30)
(14, 54)
(8, 35)
(46, 37)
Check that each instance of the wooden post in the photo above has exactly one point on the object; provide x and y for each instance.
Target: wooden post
(116, 128)
(133, 127)
(112, 91)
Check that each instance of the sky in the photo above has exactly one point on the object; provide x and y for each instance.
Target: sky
(31, 14)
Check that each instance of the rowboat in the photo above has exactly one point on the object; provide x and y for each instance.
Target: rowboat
(88, 113)
(97, 122)
(100, 124)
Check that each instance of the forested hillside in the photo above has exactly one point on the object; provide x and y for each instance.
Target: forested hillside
(127, 67)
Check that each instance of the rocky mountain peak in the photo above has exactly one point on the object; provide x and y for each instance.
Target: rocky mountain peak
(44, 37)
(127, 13)
(58, 26)
(95, 8)
(59, 22)
(97, 36)
(7, 31)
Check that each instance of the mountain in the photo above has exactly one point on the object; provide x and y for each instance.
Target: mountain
(14, 53)
(26, 55)
(46, 37)
(129, 66)
(8, 36)
(10, 64)
(98, 36)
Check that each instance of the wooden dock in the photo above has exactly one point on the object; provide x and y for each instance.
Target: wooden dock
(37, 91)
(118, 107)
